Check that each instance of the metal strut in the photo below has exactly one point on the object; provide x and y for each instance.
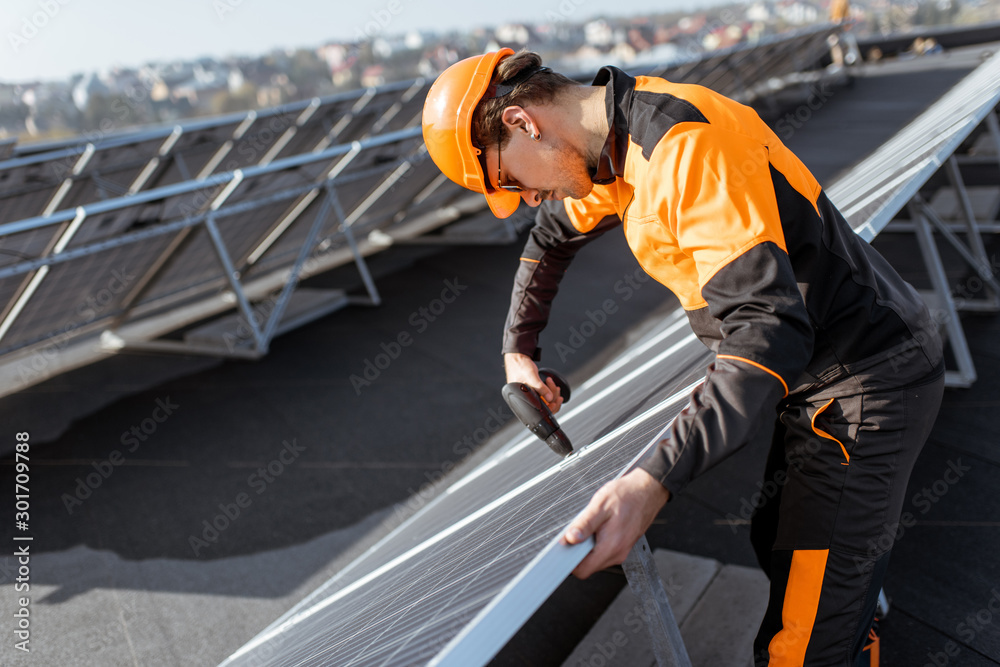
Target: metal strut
(644, 580)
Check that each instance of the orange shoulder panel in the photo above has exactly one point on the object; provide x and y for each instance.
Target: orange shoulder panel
(711, 193)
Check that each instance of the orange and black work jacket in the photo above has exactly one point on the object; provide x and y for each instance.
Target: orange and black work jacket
(770, 274)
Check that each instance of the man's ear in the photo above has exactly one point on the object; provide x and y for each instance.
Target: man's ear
(518, 119)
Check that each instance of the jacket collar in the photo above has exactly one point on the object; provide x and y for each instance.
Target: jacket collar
(619, 87)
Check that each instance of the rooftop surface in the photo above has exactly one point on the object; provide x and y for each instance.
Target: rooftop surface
(127, 570)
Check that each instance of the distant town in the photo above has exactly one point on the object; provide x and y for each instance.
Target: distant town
(163, 92)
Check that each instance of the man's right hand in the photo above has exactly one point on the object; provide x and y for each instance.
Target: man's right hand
(520, 368)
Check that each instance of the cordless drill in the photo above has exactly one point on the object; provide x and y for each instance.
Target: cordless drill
(534, 413)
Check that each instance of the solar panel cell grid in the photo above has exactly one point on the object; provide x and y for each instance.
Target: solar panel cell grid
(282, 250)
(79, 292)
(316, 127)
(397, 199)
(190, 156)
(26, 203)
(257, 142)
(439, 575)
(25, 245)
(113, 158)
(196, 263)
(258, 185)
(409, 111)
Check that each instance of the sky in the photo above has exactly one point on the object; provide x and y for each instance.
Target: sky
(52, 39)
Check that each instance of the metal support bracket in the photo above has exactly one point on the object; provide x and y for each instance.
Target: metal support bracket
(263, 330)
(359, 259)
(271, 326)
(948, 319)
(644, 580)
(975, 256)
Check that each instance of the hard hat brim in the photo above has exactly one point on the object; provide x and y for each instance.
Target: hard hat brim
(502, 203)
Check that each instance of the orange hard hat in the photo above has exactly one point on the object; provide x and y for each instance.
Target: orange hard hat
(447, 123)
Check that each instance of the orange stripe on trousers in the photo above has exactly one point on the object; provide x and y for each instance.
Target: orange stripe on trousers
(798, 613)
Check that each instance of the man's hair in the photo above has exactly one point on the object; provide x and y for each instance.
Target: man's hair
(540, 88)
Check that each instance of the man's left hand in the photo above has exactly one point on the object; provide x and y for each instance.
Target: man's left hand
(618, 515)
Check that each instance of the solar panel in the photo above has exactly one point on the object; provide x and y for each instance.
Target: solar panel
(26, 245)
(80, 292)
(7, 147)
(407, 111)
(195, 154)
(259, 143)
(59, 175)
(881, 185)
(739, 70)
(472, 540)
(321, 123)
(29, 185)
(51, 262)
(110, 173)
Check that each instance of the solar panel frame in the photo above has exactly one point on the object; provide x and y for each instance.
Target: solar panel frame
(156, 220)
(882, 184)
(35, 181)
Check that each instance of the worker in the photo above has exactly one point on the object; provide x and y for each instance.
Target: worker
(840, 13)
(819, 345)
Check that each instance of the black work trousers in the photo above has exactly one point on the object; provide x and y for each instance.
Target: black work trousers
(836, 473)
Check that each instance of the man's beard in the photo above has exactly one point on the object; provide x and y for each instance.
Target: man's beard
(576, 168)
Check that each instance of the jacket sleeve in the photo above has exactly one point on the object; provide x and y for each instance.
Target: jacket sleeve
(725, 217)
(558, 234)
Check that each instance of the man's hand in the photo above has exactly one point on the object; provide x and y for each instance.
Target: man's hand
(618, 515)
(520, 368)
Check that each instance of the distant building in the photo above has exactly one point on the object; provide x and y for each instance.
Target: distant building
(797, 13)
(513, 33)
(373, 75)
(599, 33)
(758, 11)
(89, 86)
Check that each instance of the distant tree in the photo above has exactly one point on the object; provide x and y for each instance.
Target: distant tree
(309, 74)
(243, 99)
